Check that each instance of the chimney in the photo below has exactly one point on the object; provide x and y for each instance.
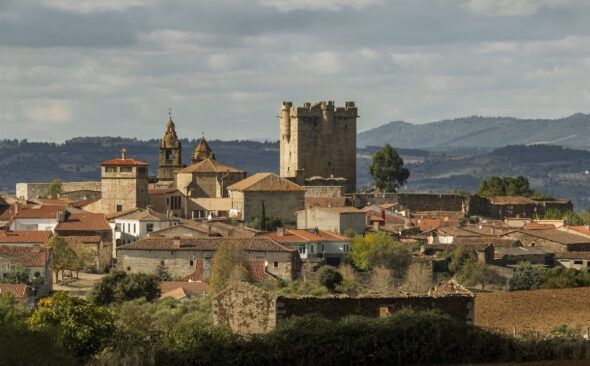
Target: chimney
(209, 231)
(280, 231)
(176, 242)
(16, 207)
(60, 216)
(124, 153)
(316, 230)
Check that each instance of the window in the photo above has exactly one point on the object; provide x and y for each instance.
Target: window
(135, 228)
(126, 169)
(323, 248)
(118, 242)
(301, 249)
(149, 228)
(578, 262)
(191, 263)
(110, 169)
(275, 264)
(117, 227)
(311, 249)
(142, 170)
(129, 268)
(119, 208)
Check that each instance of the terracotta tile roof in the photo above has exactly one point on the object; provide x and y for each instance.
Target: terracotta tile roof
(258, 244)
(387, 206)
(512, 200)
(258, 270)
(189, 287)
(86, 202)
(265, 182)
(558, 236)
(49, 201)
(325, 202)
(484, 229)
(89, 239)
(25, 236)
(476, 247)
(210, 166)
(537, 226)
(18, 290)
(573, 255)
(581, 229)
(142, 214)
(26, 256)
(123, 162)
(455, 231)
(83, 221)
(38, 211)
(486, 240)
(297, 235)
(198, 275)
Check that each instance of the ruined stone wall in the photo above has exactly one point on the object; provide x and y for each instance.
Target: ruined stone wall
(319, 141)
(431, 202)
(528, 241)
(35, 190)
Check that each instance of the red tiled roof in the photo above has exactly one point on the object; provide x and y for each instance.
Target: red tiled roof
(558, 236)
(267, 182)
(83, 221)
(537, 226)
(24, 236)
(26, 256)
(18, 290)
(38, 211)
(191, 287)
(258, 270)
(198, 275)
(49, 201)
(86, 202)
(258, 244)
(123, 162)
(210, 166)
(90, 239)
(297, 235)
(581, 229)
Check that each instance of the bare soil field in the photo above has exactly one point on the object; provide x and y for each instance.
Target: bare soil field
(534, 311)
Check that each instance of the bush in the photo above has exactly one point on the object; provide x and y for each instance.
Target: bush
(119, 286)
(525, 277)
(329, 277)
(380, 250)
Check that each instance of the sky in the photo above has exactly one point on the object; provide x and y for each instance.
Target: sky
(114, 67)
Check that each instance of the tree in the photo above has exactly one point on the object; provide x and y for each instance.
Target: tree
(84, 261)
(53, 189)
(379, 249)
(17, 274)
(119, 286)
(485, 275)
(525, 277)
(387, 170)
(329, 277)
(83, 327)
(229, 265)
(570, 217)
(64, 257)
(508, 186)
(162, 272)
(459, 256)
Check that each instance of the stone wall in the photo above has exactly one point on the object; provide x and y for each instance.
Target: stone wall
(34, 190)
(250, 310)
(282, 205)
(431, 202)
(80, 195)
(318, 141)
(323, 191)
(129, 190)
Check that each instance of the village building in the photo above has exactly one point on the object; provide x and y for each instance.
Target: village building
(247, 309)
(183, 291)
(168, 200)
(314, 245)
(556, 240)
(574, 260)
(21, 292)
(36, 260)
(202, 229)
(101, 250)
(510, 256)
(340, 220)
(36, 217)
(180, 255)
(279, 197)
(138, 223)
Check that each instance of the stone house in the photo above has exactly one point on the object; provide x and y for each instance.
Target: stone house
(315, 245)
(575, 260)
(167, 200)
(247, 309)
(36, 260)
(181, 255)
(208, 178)
(556, 240)
(506, 256)
(340, 220)
(35, 217)
(138, 223)
(281, 198)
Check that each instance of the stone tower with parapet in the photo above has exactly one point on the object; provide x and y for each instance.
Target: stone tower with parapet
(124, 184)
(318, 140)
(170, 160)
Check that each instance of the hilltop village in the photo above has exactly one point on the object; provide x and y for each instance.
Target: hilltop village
(301, 233)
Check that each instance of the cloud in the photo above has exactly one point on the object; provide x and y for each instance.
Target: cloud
(332, 5)
(414, 59)
(51, 111)
(92, 6)
(517, 8)
(321, 63)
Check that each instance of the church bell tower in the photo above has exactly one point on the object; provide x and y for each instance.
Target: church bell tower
(170, 153)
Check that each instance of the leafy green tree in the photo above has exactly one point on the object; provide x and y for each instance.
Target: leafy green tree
(54, 189)
(508, 186)
(387, 170)
(459, 256)
(83, 327)
(85, 259)
(162, 272)
(64, 257)
(17, 274)
(329, 277)
(118, 286)
(525, 277)
(380, 250)
(229, 265)
(570, 217)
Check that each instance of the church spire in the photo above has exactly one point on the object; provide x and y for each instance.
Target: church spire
(202, 151)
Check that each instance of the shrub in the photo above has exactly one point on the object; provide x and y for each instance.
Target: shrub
(119, 286)
(379, 249)
(329, 277)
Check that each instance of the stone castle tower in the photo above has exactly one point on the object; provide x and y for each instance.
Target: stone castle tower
(170, 153)
(319, 140)
(124, 184)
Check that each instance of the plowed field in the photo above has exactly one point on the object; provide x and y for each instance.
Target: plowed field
(537, 311)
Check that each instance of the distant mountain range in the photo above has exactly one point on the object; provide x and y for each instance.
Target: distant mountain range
(482, 132)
